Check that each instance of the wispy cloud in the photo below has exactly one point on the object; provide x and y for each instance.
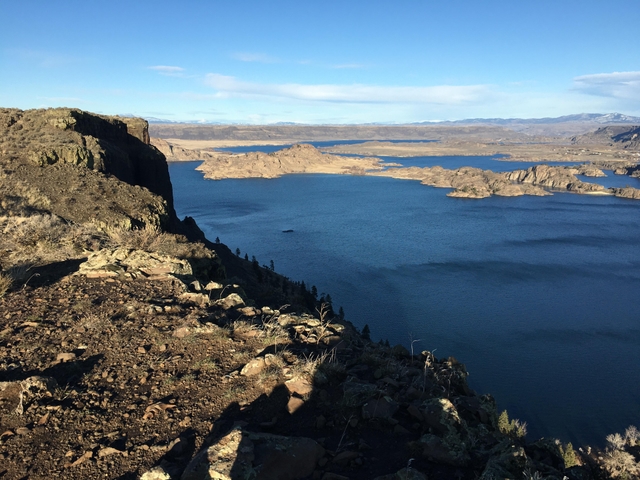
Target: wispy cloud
(43, 58)
(168, 70)
(619, 85)
(228, 86)
(254, 57)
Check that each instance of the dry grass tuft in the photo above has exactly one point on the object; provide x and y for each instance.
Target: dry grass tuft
(42, 239)
(152, 240)
(5, 284)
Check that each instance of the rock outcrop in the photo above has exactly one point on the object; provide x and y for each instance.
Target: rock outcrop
(467, 182)
(176, 153)
(300, 158)
(557, 178)
(82, 153)
(244, 454)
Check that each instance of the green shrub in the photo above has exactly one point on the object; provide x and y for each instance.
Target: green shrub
(512, 428)
(568, 455)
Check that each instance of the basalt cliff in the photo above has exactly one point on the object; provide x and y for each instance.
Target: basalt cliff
(133, 348)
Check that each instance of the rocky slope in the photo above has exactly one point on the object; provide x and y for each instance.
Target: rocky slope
(134, 353)
(627, 137)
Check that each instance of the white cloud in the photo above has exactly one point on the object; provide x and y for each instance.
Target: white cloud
(619, 85)
(168, 70)
(228, 86)
(254, 57)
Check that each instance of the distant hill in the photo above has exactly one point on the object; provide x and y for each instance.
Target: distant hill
(598, 118)
(601, 118)
(622, 136)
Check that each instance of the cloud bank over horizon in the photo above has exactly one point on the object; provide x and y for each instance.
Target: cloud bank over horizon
(228, 86)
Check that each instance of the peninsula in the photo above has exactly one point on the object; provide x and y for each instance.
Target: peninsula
(300, 158)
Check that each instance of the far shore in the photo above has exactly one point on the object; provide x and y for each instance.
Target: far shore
(213, 144)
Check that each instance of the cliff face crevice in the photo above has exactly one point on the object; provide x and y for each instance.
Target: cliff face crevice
(64, 140)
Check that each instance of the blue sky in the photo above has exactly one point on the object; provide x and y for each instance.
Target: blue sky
(322, 61)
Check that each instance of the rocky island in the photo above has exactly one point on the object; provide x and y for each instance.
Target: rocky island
(300, 158)
(131, 347)
(466, 182)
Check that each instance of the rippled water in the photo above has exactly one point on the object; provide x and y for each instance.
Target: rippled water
(538, 296)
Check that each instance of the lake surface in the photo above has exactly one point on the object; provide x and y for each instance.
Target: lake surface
(331, 143)
(538, 296)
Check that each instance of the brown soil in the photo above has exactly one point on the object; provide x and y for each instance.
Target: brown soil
(135, 380)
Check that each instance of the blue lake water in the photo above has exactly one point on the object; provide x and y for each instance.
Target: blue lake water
(331, 143)
(538, 296)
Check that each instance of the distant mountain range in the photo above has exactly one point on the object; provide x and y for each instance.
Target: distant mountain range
(189, 122)
(598, 118)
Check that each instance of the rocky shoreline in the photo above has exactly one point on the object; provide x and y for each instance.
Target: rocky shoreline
(300, 158)
(466, 182)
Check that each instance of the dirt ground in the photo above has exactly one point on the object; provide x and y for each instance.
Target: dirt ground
(143, 378)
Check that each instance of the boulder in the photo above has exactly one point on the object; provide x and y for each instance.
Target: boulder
(384, 407)
(357, 393)
(134, 263)
(13, 394)
(254, 367)
(299, 386)
(242, 454)
(230, 301)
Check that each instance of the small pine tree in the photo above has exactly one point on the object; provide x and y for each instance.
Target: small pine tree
(272, 265)
(246, 257)
(218, 240)
(341, 313)
(237, 252)
(569, 455)
(503, 422)
(366, 332)
(513, 428)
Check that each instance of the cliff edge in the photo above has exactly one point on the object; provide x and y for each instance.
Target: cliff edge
(64, 161)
